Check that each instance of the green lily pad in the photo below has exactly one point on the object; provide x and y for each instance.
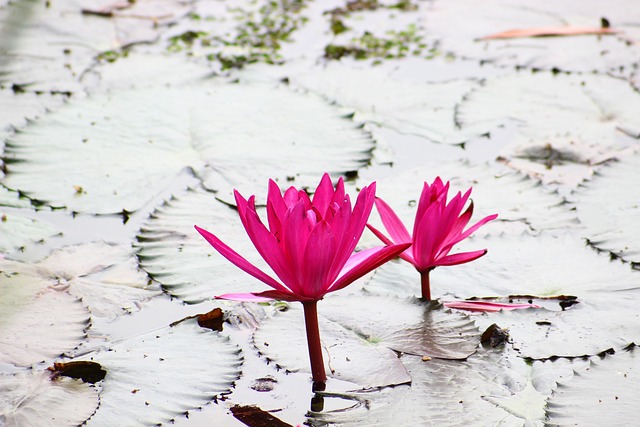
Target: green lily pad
(140, 387)
(32, 398)
(217, 131)
(608, 207)
(56, 321)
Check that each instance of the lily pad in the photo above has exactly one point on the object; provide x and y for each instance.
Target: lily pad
(32, 398)
(450, 24)
(18, 231)
(140, 387)
(608, 207)
(563, 121)
(606, 393)
(424, 109)
(19, 108)
(406, 325)
(176, 256)
(105, 276)
(490, 388)
(56, 321)
(163, 131)
(522, 203)
(543, 265)
(347, 356)
(48, 47)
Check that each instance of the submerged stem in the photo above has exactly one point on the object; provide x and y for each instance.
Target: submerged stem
(313, 341)
(426, 285)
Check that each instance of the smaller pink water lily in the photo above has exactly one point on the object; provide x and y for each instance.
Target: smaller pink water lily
(437, 228)
(309, 244)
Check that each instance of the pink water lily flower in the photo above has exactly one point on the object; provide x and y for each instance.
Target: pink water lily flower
(309, 244)
(438, 226)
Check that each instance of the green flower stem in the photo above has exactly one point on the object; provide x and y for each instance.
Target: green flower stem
(313, 341)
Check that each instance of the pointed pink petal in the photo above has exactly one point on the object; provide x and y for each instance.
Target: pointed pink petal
(239, 261)
(460, 258)
(275, 208)
(318, 257)
(244, 297)
(392, 223)
(364, 263)
(406, 255)
(425, 241)
(486, 306)
(283, 296)
(323, 195)
(471, 230)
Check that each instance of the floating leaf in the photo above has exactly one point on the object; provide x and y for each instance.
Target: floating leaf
(490, 388)
(605, 393)
(18, 231)
(175, 255)
(452, 27)
(32, 399)
(56, 321)
(105, 276)
(608, 207)
(141, 388)
(163, 131)
(425, 109)
(347, 355)
(522, 204)
(18, 108)
(406, 325)
(566, 123)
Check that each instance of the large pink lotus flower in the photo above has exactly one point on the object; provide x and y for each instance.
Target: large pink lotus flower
(309, 244)
(438, 226)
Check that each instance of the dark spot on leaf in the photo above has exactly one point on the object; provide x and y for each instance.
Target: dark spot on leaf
(88, 372)
(253, 416)
(264, 384)
(212, 320)
(494, 336)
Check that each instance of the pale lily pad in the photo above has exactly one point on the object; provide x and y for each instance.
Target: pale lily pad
(48, 47)
(606, 393)
(563, 121)
(140, 387)
(32, 398)
(219, 131)
(105, 276)
(55, 321)
(406, 325)
(347, 356)
(460, 25)
(425, 109)
(188, 267)
(18, 108)
(18, 231)
(608, 207)
(490, 388)
(543, 265)
(522, 203)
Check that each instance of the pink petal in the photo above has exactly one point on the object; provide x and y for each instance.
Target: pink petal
(239, 261)
(244, 297)
(406, 255)
(425, 241)
(318, 257)
(487, 306)
(323, 195)
(460, 258)
(366, 262)
(392, 223)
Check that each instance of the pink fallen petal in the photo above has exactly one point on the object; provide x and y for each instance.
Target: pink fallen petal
(243, 297)
(548, 32)
(487, 306)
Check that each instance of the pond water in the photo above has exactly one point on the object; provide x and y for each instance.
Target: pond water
(123, 125)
